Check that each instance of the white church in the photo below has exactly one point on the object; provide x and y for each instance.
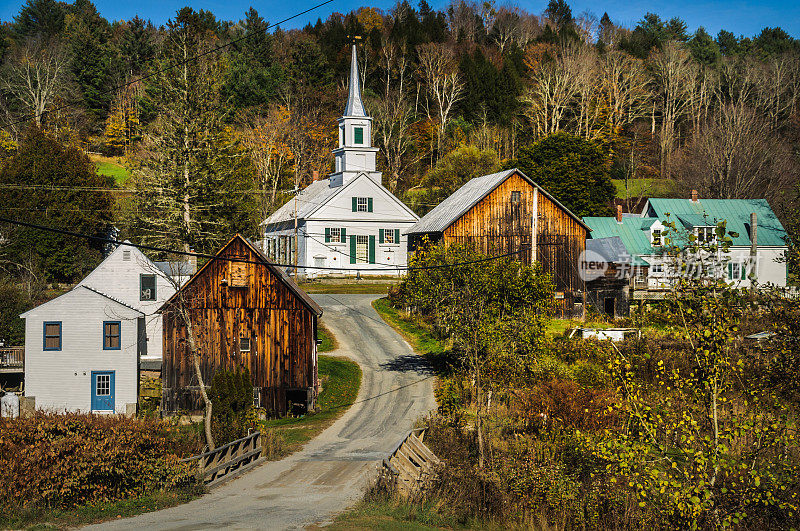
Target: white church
(347, 223)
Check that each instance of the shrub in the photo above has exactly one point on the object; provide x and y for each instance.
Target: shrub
(565, 404)
(232, 395)
(66, 460)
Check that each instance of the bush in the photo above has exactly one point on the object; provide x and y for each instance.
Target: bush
(66, 460)
(233, 413)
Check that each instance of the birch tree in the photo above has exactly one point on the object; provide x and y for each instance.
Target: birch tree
(439, 70)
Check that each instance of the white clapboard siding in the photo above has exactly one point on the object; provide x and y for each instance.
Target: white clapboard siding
(61, 380)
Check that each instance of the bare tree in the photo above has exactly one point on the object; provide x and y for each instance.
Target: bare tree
(393, 118)
(439, 70)
(624, 92)
(550, 95)
(36, 74)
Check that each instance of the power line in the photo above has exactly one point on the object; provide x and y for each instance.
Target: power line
(243, 260)
(179, 63)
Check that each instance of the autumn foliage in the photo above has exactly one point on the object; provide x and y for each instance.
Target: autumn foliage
(66, 460)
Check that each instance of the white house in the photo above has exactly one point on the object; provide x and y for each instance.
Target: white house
(347, 222)
(756, 254)
(83, 350)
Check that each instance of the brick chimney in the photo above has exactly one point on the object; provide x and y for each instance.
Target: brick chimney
(694, 196)
(619, 213)
(315, 175)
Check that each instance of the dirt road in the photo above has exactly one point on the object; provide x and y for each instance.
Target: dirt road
(330, 473)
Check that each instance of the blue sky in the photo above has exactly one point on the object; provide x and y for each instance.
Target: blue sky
(740, 17)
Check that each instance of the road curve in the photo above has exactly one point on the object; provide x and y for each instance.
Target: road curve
(330, 472)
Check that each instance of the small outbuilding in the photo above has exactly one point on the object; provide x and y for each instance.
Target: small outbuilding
(245, 312)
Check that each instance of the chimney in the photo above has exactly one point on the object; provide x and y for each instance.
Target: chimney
(694, 196)
(619, 213)
(753, 234)
(315, 175)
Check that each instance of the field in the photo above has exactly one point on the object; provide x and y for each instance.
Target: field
(347, 286)
(645, 187)
(111, 167)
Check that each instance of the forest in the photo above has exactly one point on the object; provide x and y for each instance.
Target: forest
(212, 122)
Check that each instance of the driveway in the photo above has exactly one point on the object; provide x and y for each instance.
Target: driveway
(331, 472)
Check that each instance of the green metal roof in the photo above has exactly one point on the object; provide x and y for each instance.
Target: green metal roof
(736, 213)
(633, 231)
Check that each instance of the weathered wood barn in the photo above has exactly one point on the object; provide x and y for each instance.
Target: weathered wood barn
(244, 312)
(506, 212)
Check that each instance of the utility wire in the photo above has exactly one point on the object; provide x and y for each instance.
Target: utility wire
(243, 260)
(179, 63)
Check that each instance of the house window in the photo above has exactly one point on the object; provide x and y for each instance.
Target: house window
(111, 335)
(52, 335)
(147, 287)
(516, 195)
(363, 204)
(388, 236)
(705, 234)
(362, 249)
(657, 268)
(244, 344)
(656, 237)
(736, 271)
(358, 135)
(335, 235)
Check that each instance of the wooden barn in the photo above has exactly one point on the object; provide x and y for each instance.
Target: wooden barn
(245, 312)
(506, 212)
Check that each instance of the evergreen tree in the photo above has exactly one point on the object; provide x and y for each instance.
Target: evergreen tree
(39, 17)
(728, 43)
(704, 49)
(573, 170)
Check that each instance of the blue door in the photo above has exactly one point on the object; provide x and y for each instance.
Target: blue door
(103, 391)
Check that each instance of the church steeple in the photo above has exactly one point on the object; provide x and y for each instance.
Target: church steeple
(354, 107)
(355, 154)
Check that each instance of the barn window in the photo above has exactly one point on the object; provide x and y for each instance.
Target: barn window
(111, 335)
(147, 287)
(244, 344)
(516, 195)
(52, 335)
(238, 274)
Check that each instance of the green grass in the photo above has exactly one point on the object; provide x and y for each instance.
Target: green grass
(82, 515)
(417, 335)
(341, 379)
(347, 286)
(110, 169)
(645, 187)
(328, 340)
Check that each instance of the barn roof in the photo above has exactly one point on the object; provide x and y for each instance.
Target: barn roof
(282, 276)
(470, 194)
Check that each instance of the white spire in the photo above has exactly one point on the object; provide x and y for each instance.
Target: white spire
(354, 105)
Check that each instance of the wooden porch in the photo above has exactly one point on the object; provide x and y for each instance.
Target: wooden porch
(12, 359)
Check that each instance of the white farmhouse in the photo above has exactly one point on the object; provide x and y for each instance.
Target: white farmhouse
(84, 349)
(348, 222)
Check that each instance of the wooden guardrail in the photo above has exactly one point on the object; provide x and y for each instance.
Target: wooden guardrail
(237, 455)
(12, 357)
(411, 466)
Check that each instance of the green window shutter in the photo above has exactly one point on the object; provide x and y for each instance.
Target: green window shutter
(355, 204)
(327, 234)
(742, 269)
(358, 135)
(730, 270)
(369, 204)
(396, 235)
(380, 235)
(352, 249)
(372, 249)
(343, 237)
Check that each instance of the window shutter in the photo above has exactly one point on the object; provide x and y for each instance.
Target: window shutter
(343, 237)
(369, 206)
(372, 249)
(742, 269)
(355, 204)
(396, 235)
(380, 235)
(352, 249)
(327, 234)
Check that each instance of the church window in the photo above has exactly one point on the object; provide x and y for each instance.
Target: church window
(362, 204)
(358, 135)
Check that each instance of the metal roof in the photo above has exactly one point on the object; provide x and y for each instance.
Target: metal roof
(735, 212)
(472, 192)
(633, 232)
(176, 268)
(355, 107)
(613, 250)
(309, 200)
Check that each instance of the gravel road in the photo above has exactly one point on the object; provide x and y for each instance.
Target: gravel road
(331, 472)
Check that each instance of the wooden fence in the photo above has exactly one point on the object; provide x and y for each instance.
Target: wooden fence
(12, 358)
(237, 455)
(411, 467)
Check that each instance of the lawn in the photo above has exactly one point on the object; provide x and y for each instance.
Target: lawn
(645, 187)
(111, 167)
(347, 286)
(341, 379)
(417, 335)
(327, 339)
